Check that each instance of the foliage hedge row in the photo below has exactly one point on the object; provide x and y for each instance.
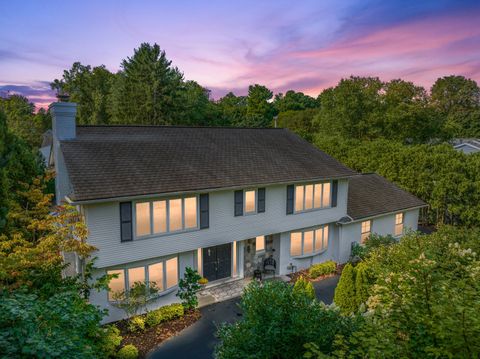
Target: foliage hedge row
(446, 179)
(320, 269)
(164, 314)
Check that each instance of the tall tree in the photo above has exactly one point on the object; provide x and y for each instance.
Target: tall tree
(294, 101)
(352, 109)
(148, 89)
(90, 88)
(260, 110)
(458, 100)
(197, 107)
(22, 121)
(233, 109)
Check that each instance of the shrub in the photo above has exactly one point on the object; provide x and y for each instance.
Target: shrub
(188, 288)
(277, 322)
(362, 283)
(345, 291)
(203, 281)
(164, 314)
(136, 324)
(304, 287)
(110, 340)
(62, 325)
(128, 352)
(324, 268)
(138, 297)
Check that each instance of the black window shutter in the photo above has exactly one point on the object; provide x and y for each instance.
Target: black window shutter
(239, 203)
(334, 193)
(204, 215)
(290, 189)
(261, 200)
(126, 221)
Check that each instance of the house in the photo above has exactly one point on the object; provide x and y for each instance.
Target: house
(467, 145)
(221, 200)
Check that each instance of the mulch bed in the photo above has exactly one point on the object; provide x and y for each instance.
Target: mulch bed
(304, 273)
(152, 337)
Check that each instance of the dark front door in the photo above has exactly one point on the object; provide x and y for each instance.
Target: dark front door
(217, 262)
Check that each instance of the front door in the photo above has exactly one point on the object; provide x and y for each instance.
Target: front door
(217, 262)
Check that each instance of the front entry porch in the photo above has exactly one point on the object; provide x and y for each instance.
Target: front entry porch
(217, 262)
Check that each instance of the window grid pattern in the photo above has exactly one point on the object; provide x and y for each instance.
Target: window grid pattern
(164, 274)
(166, 216)
(312, 196)
(309, 241)
(399, 224)
(366, 230)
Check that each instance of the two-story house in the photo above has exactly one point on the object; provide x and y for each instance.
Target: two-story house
(158, 199)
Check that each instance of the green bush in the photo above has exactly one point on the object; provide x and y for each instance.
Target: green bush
(129, 351)
(362, 283)
(164, 314)
(188, 288)
(110, 340)
(277, 322)
(62, 325)
(304, 287)
(345, 291)
(136, 324)
(324, 268)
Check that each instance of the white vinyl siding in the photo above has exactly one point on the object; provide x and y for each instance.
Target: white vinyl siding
(312, 196)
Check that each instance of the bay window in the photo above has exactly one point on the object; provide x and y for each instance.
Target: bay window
(309, 241)
(162, 275)
(169, 215)
(312, 196)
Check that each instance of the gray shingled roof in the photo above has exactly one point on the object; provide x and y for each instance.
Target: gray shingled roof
(371, 195)
(121, 161)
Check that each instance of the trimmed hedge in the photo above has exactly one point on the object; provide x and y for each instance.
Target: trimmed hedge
(164, 314)
(110, 341)
(324, 268)
(304, 287)
(129, 351)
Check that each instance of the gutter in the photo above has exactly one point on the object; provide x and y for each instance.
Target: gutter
(381, 214)
(203, 190)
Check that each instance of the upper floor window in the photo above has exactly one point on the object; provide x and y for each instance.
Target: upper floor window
(309, 241)
(366, 230)
(398, 224)
(260, 243)
(250, 201)
(163, 275)
(312, 196)
(168, 215)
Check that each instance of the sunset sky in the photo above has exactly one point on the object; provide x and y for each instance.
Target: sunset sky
(228, 45)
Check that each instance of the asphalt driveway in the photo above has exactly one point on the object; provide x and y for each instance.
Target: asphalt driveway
(198, 340)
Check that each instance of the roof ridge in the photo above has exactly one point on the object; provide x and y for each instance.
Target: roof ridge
(182, 126)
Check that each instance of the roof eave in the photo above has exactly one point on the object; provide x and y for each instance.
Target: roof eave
(361, 219)
(72, 201)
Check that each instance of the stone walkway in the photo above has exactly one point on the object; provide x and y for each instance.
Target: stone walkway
(227, 290)
(222, 292)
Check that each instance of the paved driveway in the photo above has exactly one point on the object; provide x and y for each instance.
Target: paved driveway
(198, 340)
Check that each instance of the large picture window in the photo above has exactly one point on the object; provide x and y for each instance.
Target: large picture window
(309, 241)
(312, 196)
(169, 215)
(163, 274)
